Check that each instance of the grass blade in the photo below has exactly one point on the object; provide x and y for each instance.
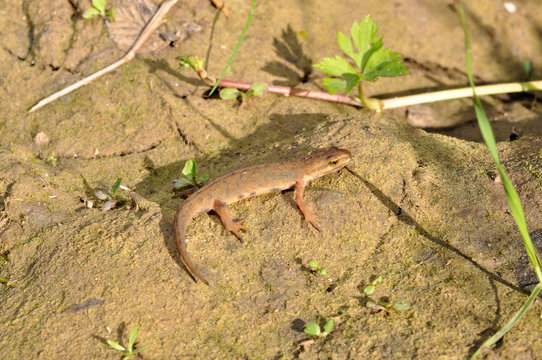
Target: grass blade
(511, 195)
(249, 19)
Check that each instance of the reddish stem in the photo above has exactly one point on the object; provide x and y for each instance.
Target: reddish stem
(286, 90)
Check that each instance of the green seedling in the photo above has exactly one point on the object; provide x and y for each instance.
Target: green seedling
(6, 281)
(383, 303)
(196, 64)
(256, 89)
(51, 160)
(110, 196)
(129, 350)
(313, 329)
(313, 265)
(370, 289)
(190, 176)
(401, 305)
(370, 60)
(99, 8)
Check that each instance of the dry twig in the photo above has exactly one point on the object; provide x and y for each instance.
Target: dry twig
(152, 25)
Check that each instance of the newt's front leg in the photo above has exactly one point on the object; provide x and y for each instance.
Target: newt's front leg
(307, 213)
(232, 226)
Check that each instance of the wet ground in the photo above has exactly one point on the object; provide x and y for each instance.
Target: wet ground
(423, 209)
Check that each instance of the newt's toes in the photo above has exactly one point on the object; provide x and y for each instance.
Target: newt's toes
(312, 220)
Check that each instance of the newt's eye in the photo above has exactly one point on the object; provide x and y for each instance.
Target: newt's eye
(334, 161)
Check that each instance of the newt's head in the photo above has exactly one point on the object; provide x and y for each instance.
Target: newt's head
(325, 161)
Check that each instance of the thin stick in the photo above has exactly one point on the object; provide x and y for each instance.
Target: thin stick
(152, 25)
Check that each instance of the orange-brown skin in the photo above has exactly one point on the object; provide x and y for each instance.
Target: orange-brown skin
(252, 181)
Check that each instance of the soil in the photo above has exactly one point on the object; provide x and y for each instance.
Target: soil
(423, 209)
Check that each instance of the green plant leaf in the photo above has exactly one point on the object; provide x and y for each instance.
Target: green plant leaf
(377, 45)
(351, 80)
(181, 183)
(312, 329)
(190, 169)
(90, 13)
(363, 34)
(132, 338)
(334, 85)
(115, 187)
(346, 46)
(115, 345)
(100, 5)
(203, 178)
(335, 66)
(402, 305)
(229, 93)
(110, 15)
(139, 350)
(369, 289)
(322, 271)
(313, 264)
(329, 326)
(258, 88)
(384, 63)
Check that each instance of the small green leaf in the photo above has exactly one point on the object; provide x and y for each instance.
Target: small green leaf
(313, 264)
(312, 329)
(190, 169)
(229, 93)
(90, 13)
(377, 45)
(132, 338)
(369, 289)
(203, 178)
(115, 345)
(378, 279)
(346, 46)
(351, 80)
(322, 271)
(100, 5)
(329, 326)
(384, 63)
(181, 183)
(115, 187)
(110, 15)
(258, 88)
(363, 33)
(374, 306)
(139, 350)
(334, 85)
(335, 66)
(402, 305)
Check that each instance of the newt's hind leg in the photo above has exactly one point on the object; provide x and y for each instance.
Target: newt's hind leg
(235, 227)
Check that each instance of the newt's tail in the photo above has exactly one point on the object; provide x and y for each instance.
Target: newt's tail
(182, 218)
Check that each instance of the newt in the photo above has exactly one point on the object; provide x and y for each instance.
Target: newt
(252, 181)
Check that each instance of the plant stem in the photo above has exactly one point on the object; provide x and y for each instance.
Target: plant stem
(291, 91)
(369, 103)
(460, 93)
